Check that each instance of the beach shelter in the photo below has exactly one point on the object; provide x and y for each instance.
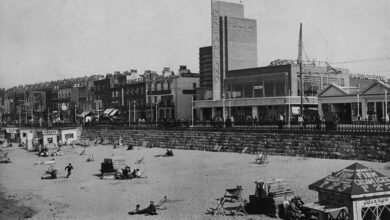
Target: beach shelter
(355, 192)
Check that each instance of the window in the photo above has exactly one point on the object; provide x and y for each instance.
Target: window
(280, 89)
(341, 82)
(248, 89)
(237, 90)
(258, 89)
(269, 88)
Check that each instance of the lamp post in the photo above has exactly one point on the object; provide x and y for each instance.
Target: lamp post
(192, 110)
(134, 110)
(385, 105)
(129, 111)
(156, 114)
(223, 109)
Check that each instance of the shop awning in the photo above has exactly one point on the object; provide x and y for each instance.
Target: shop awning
(108, 111)
(85, 113)
(114, 112)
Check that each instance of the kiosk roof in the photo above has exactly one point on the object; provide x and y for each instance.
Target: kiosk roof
(354, 181)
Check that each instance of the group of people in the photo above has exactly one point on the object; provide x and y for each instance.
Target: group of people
(128, 173)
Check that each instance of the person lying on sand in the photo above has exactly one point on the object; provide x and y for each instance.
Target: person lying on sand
(52, 161)
(150, 210)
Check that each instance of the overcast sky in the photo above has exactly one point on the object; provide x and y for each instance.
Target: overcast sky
(43, 40)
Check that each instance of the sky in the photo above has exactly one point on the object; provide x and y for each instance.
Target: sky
(43, 40)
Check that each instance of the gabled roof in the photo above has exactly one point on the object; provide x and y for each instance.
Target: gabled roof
(333, 89)
(354, 181)
(376, 88)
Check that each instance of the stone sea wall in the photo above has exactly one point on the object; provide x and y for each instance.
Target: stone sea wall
(359, 147)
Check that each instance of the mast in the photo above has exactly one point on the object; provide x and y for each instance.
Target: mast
(300, 65)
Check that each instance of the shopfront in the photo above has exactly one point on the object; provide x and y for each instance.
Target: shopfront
(353, 104)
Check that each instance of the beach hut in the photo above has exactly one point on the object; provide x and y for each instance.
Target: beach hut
(12, 134)
(68, 135)
(353, 193)
(27, 136)
(50, 138)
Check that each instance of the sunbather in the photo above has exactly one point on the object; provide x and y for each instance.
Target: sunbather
(150, 210)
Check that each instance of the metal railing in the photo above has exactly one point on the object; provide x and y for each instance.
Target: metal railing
(362, 127)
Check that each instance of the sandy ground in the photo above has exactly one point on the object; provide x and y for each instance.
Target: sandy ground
(191, 180)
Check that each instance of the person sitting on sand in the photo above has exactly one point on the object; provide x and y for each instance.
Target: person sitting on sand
(130, 147)
(126, 173)
(150, 210)
(136, 173)
(169, 153)
(53, 175)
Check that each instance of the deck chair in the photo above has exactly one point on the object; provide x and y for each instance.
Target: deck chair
(244, 150)
(90, 158)
(217, 148)
(219, 209)
(262, 157)
(82, 152)
(161, 204)
(233, 195)
(140, 160)
(238, 210)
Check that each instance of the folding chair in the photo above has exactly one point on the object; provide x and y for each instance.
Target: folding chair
(262, 157)
(238, 210)
(219, 210)
(82, 152)
(244, 150)
(233, 195)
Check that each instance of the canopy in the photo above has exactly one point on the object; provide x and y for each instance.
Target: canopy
(113, 112)
(355, 181)
(85, 113)
(108, 111)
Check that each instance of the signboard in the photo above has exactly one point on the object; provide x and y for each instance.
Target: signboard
(64, 107)
(215, 35)
(375, 202)
(354, 180)
(11, 130)
(295, 110)
(50, 132)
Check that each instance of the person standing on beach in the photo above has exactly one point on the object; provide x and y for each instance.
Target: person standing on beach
(69, 168)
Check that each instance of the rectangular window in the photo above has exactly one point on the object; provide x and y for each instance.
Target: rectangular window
(269, 88)
(258, 89)
(280, 89)
(341, 82)
(237, 90)
(248, 89)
